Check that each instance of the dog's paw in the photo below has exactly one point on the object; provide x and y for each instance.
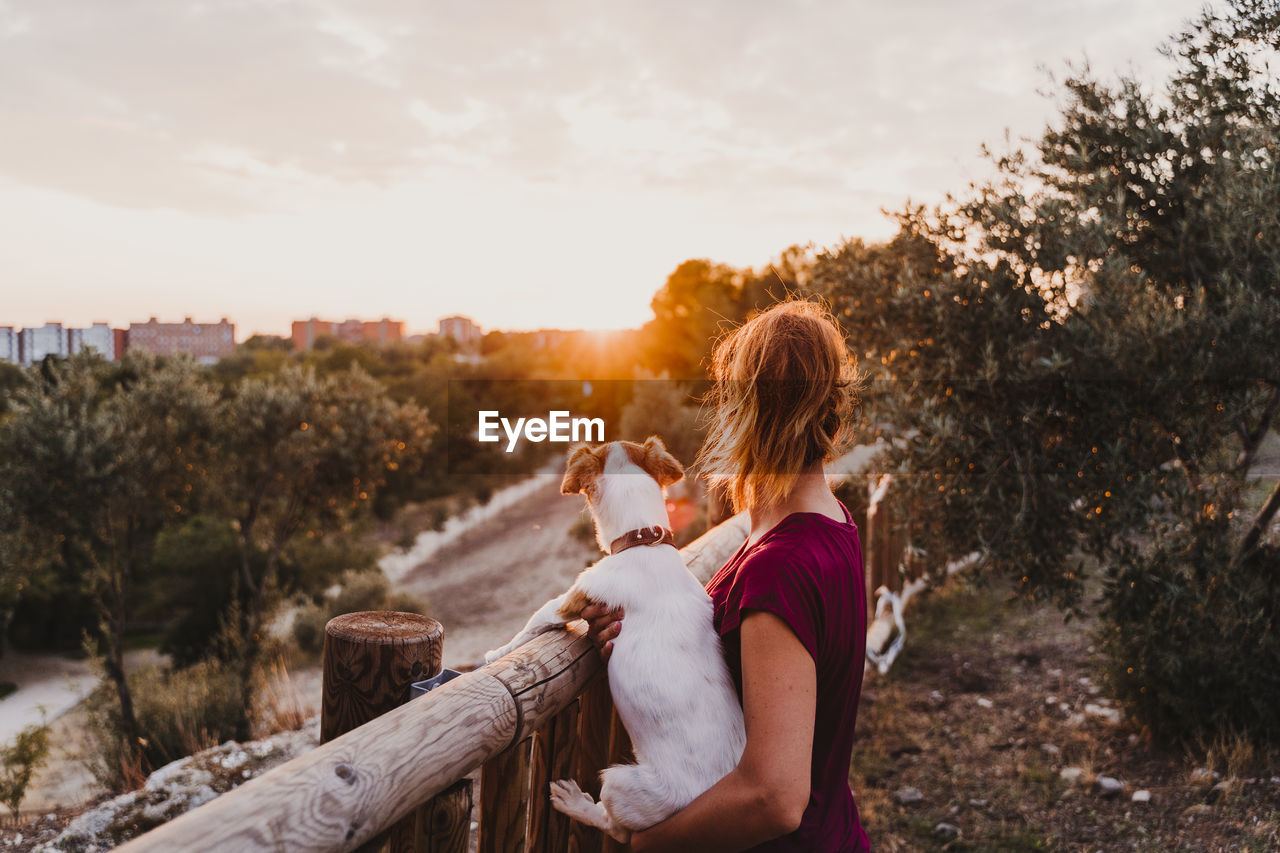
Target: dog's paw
(568, 798)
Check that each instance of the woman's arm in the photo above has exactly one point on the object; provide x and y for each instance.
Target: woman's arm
(766, 794)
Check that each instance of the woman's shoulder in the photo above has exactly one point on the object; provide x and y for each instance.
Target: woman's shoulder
(801, 530)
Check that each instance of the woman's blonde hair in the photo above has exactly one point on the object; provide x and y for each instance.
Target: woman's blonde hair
(785, 385)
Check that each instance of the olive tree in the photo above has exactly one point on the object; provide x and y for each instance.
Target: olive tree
(1080, 359)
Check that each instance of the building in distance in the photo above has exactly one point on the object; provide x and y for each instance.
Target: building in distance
(36, 343)
(101, 338)
(208, 342)
(9, 344)
(31, 345)
(380, 332)
(461, 329)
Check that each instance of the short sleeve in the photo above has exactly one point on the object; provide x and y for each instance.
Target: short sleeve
(775, 579)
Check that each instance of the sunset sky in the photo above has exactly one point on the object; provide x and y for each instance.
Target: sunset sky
(530, 164)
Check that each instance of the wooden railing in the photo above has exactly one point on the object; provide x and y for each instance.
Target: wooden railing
(541, 713)
(894, 576)
(886, 539)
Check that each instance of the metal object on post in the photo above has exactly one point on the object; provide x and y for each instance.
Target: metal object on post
(422, 688)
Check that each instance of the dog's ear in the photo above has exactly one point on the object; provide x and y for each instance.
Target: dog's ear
(582, 469)
(659, 464)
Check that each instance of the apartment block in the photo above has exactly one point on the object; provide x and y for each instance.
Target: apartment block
(99, 337)
(35, 344)
(208, 342)
(306, 332)
(461, 329)
(9, 344)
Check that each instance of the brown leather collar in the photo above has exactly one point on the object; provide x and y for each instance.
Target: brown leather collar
(643, 536)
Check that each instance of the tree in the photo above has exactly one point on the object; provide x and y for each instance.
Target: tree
(668, 409)
(95, 460)
(1081, 355)
(300, 455)
(699, 300)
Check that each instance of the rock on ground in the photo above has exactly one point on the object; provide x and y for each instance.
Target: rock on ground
(908, 796)
(179, 787)
(1108, 786)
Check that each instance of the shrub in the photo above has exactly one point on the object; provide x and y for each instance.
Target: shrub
(405, 603)
(1192, 648)
(19, 761)
(308, 627)
(359, 590)
(179, 712)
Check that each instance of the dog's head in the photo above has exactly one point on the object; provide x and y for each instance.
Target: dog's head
(587, 465)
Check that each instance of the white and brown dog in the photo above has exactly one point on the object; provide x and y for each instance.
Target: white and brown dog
(667, 672)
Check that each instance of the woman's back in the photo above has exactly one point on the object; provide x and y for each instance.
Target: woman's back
(808, 571)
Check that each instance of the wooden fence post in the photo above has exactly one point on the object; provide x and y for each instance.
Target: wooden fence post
(370, 661)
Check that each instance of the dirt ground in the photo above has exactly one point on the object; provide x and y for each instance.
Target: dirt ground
(989, 703)
(485, 584)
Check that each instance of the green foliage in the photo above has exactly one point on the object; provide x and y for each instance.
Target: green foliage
(1080, 357)
(360, 591)
(357, 591)
(1192, 648)
(667, 409)
(701, 300)
(12, 378)
(190, 584)
(300, 454)
(1088, 342)
(19, 761)
(182, 711)
(95, 460)
(308, 627)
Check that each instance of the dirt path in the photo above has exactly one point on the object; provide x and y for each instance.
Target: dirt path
(49, 684)
(484, 583)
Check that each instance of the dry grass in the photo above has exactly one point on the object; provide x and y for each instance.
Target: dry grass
(279, 705)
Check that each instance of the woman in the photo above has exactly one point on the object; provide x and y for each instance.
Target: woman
(790, 605)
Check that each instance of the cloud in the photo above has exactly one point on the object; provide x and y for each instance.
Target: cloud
(139, 104)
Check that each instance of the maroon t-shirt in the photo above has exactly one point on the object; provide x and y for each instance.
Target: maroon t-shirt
(808, 571)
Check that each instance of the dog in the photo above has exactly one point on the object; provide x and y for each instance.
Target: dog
(667, 673)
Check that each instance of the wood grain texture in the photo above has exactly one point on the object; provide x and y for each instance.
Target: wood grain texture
(346, 791)
(545, 675)
(594, 714)
(343, 793)
(443, 824)
(563, 760)
(542, 748)
(504, 801)
(370, 659)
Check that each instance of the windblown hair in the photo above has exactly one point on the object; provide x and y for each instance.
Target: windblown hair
(785, 386)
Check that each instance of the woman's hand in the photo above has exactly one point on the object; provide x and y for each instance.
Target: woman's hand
(603, 625)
